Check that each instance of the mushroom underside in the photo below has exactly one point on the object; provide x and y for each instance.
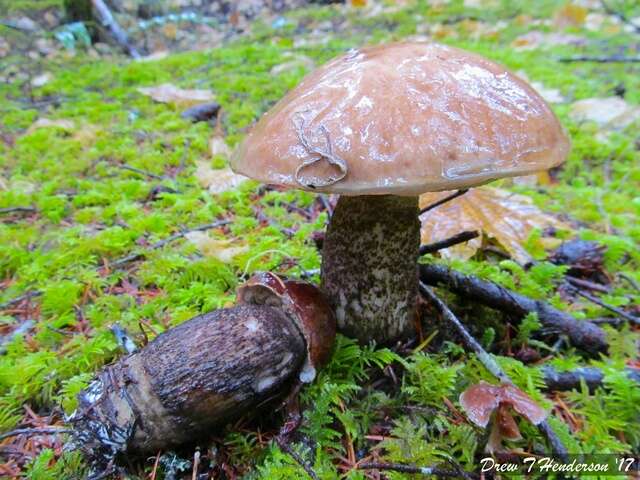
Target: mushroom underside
(369, 266)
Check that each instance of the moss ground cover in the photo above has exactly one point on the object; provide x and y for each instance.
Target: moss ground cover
(89, 212)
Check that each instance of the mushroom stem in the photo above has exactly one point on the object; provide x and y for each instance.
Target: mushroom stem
(369, 266)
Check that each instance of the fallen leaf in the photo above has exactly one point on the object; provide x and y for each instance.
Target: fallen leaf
(41, 80)
(223, 250)
(217, 180)
(47, 123)
(610, 113)
(218, 147)
(570, 15)
(504, 216)
(168, 93)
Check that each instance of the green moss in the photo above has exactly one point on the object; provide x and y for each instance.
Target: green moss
(91, 211)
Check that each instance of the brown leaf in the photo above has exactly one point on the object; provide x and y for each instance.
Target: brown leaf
(570, 15)
(168, 93)
(504, 216)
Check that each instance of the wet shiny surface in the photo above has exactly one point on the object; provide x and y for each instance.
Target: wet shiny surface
(403, 118)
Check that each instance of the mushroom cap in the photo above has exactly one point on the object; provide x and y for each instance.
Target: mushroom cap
(306, 304)
(403, 119)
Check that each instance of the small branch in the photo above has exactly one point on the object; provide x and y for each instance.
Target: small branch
(487, 360)
(630, 281)
(143, 172)
(611, 308)
(571, 380)
(444, 200)
(620, 15)
(285, 447)
(449, 242)
(578, 282)
(611, 59)
(10, 210)
(34, 431)
(404, 468)
(491, 365)
(24, 296)
(106, 18)
(140, 255)
(582, 333)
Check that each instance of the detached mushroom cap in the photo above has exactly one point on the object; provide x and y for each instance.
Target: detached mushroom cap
(403, 119)
(308, 307)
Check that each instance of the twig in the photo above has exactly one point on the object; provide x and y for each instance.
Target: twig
(630, 281)
(404, 468)
(106, 18)
(582, 333)
(444, 200)
(491, 365)
(593, 377)
(620, 15)
(449, 242)
(143, 172)
(9, 210)
(34, 431)
(578, 282)
(611, 59)
(285, 447)
(18, 299)
(611, 308)
(137, 256)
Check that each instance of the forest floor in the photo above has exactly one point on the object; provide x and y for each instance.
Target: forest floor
(93, 170)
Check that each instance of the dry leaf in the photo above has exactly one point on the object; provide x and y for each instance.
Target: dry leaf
(47, 123)
(168, 93)
(570, 15)
(507, 217)
(609, 113)
(217, 180)
(41, 80)
(223, 250)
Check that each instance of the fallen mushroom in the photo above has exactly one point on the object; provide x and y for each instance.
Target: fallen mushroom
(379, 126)
(206, 372)
(480, 401)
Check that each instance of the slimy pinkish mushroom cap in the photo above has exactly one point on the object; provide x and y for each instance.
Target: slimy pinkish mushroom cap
(403, 119)
(479, 402)
(308, 307)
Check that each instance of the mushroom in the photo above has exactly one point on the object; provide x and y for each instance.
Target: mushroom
(379, 126)
(205, 372)
(480, 401)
